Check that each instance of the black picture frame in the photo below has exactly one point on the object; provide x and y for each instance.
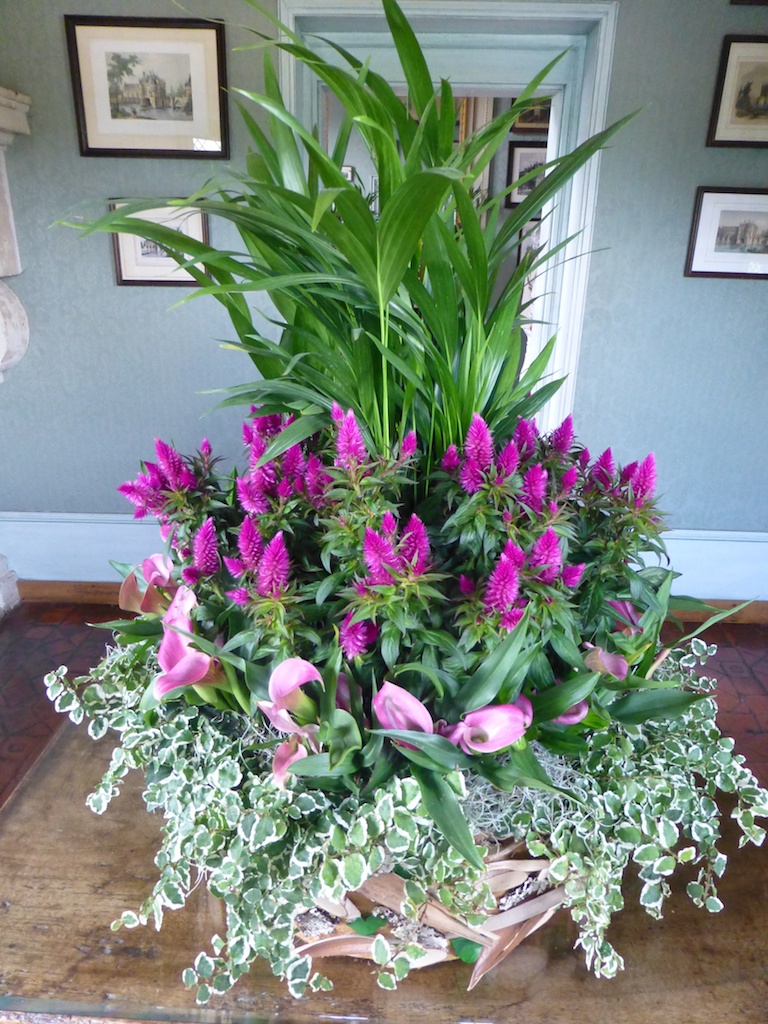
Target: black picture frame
(522, 158)
(149, 87)
(139, 261)
(729, 233)
(739, 111)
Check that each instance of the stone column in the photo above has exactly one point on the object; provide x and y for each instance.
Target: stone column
(14, 326)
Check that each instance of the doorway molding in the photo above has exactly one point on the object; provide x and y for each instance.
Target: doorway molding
(494, 47)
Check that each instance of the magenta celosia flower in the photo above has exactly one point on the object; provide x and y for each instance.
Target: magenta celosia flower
(471, 477)
(285, 489)
(568, 481)
(562, 437)
(603, 470)
(478, 444)
(251, 496)
(515, 554)
(408, 447)
(547, 557)
(534, 488)
(316, 479)
(274, 568)
(178, 477)
(350, 447)
(450, 461)
(414, 547)
(206, 450)
(250, 545)
(644, 480)
(205, 551)
(466, 585)
(239, 595)
(508, 460)
(389, 523)
(396, 708)
(511, 618)
(337, 413)
(356, 637)
(503, 586)
(525, 437)
(380, 557)
(491, 728)
(628, 473)
(293, 462)
(572, 574)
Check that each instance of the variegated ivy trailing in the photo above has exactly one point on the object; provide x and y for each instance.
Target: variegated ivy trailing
(409, 621)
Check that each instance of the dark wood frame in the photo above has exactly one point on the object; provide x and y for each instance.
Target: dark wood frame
(544, 106)
(217, 127)
(510, 200)
(121, 277)
(696, 227)
(720, 99)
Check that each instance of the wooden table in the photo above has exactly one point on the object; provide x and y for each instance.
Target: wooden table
(65, 874)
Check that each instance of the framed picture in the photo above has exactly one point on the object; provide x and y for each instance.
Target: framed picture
(535, 119)
(141, 261)
(530, 238)
(729, 234)
(149, 87)
(740, 111)
(524, 157)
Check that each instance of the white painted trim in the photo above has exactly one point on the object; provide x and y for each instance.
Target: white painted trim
(564, 286)
(74, 547)
(77, 547)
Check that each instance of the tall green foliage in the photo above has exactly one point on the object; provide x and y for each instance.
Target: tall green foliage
(401, 315)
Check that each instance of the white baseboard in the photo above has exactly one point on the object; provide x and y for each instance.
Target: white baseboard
(720, 565)
(715, 564)
(76, 547)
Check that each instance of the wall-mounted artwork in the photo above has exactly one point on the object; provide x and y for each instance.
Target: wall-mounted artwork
(535, 119)
(141, 261)
(148, 87)
(740, 111)
(729, 234)
(524, 160)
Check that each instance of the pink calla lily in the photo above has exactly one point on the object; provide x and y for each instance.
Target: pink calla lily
(156, 571)
(574, 714)
(598, 660)
(287, 701)
(181, 663)
(492, 728)
(289, 752)
(396, 708)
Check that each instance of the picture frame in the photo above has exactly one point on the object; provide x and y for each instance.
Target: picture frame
(523, 157)
(139, 261)
(149, 87)
(729, 233)
(535, 119)
(740, 109)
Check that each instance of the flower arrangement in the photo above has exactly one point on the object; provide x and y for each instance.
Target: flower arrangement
(410, 629)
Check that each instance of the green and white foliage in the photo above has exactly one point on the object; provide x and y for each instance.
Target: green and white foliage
(642, 795)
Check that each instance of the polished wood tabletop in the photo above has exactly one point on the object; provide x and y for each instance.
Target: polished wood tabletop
(66, 874)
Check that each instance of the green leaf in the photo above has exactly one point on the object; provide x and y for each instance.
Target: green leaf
(441, 804)
(466, 950)
(652, 705)
(367, 925)
(482, 687)
(558, 699)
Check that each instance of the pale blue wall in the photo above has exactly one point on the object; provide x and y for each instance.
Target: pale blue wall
(668, 363)
(673, 364)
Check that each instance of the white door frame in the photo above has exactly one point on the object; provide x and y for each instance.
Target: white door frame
(537, 29)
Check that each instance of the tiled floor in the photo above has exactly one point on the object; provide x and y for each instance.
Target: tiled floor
(36, 638)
